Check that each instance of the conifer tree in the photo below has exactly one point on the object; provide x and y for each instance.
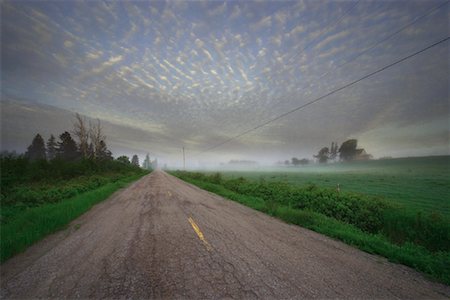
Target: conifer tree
(36, 150)
(51, 147)
(67, 147)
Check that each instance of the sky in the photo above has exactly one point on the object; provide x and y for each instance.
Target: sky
(163, 75)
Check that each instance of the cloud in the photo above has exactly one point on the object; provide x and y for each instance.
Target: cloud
(331, 38)
(199, 43)
(113, 60)
(262, 52)
(219, 10)
(263, 23)
(94, 55)
(236, 12)
(208, 55)
(68, 44)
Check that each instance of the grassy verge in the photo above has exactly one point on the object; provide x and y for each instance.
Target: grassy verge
(434, 263)
(25, 227)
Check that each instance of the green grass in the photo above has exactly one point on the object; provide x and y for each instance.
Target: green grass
(26, 226)
(420, 240)
(421, 183)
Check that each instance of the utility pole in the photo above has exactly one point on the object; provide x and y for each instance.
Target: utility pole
(184, 161)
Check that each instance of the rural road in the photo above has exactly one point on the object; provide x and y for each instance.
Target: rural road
(164, 238)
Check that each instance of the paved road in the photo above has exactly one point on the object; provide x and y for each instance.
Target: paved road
(163, 238)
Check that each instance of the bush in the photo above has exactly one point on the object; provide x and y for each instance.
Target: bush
(25, 183)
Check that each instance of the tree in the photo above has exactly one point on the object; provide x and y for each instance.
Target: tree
(82, 134)
(304, 161)
(102, 152)
(36, 150)
(295, 161)
(51, 148)
(67, 147)
(333, 150)
(135, 160)
(124, 159)
(91, 151)
(147, 163)
(347, 151)
(97, 136)
(287, 162)
(323, 155)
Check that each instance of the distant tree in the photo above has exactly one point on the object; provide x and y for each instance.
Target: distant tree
(323, 155)
(36, 150)
(295, 161)
(51, 147)
(82, 133)
(287, 162)
(347, 151)
(334, 150)
(135, 160)
(67, 147)
(147, 163)
(304, 161)
(124, 159)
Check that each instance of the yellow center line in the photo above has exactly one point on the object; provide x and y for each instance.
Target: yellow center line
(200, 234)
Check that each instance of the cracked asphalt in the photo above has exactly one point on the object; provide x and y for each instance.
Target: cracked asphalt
(164, 238)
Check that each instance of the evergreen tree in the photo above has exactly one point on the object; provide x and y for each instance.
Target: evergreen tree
(67, 147)
(135, 160)
(37, 148)
(51, 147)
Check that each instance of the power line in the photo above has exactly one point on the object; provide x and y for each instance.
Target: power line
(326, 31)
(327, 94)
(323, 32)
(414, 21)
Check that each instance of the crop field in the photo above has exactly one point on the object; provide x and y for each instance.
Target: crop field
(421, 183)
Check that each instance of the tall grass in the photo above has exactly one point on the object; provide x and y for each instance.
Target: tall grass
(420, 240)
(30, 225)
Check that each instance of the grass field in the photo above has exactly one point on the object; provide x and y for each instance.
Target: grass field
(420, 183)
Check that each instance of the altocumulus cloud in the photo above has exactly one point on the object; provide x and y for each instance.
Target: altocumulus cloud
(197, 73)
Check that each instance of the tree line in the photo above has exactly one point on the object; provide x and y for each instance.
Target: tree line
(348, 151)
(87, 141)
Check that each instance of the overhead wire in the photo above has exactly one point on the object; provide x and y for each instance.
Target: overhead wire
(414, 21)
(326, 95)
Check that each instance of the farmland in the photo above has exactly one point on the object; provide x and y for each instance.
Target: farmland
(418, 183)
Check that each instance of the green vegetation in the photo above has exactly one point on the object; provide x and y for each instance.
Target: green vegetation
(39, 197)
(421, 183)
(417, 239)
